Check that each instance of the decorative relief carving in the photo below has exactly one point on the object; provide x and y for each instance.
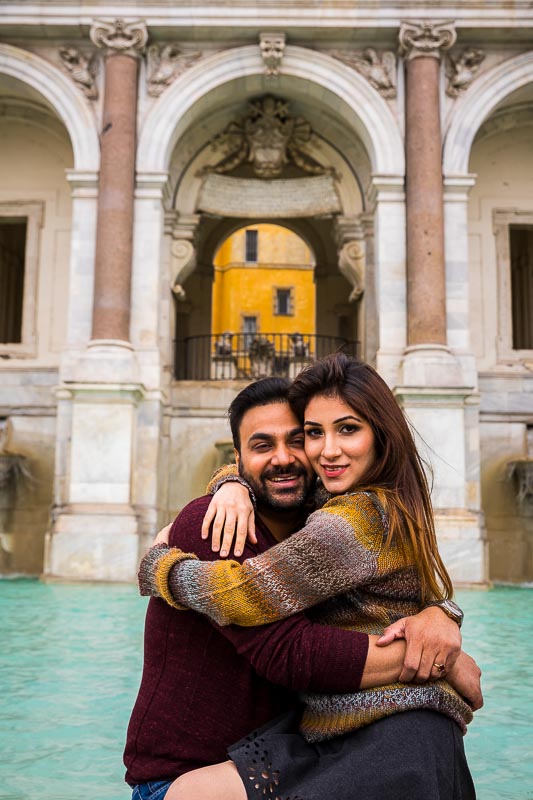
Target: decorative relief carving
(424, 38)
(165, 64)
(120, 36)
(269, 138)
(380, 71)
(272, 46)
(82, 70)
(461, 71)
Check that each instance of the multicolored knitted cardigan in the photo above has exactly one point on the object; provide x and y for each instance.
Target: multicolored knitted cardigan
(338, 568)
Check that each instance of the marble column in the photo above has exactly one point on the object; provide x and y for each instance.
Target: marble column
(123, 43)
(100, 509)
(436, 383)
(421, 46)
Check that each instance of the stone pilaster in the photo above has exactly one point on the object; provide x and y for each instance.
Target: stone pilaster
(123, 44)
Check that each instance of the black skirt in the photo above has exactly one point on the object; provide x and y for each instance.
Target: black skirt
(413, 755)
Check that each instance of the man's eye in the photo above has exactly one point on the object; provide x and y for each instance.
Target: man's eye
(298, 442)
(261, 447)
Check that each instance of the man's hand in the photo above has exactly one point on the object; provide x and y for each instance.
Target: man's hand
(432, 638)
(465, 677)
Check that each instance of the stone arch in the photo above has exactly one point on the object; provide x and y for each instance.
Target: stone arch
(62, 95)
(477, 104)
(341, 88)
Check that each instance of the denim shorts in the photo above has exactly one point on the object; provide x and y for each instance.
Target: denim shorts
(154, 790)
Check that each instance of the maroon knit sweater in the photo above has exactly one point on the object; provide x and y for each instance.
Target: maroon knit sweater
(204, 687)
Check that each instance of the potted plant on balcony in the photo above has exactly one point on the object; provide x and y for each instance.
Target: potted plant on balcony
(261, 354)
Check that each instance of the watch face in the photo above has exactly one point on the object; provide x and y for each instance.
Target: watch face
(453, 609)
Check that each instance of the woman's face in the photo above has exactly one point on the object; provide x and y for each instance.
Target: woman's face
(339, 443)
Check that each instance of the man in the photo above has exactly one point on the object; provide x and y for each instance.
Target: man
(204, 687)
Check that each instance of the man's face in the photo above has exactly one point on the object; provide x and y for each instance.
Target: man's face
(272, 457)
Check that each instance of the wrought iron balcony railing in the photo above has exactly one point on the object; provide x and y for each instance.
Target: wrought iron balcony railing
(242, 356)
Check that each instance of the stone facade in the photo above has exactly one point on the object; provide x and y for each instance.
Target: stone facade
(108, 132)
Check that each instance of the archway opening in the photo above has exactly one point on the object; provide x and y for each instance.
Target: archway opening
(263, 310)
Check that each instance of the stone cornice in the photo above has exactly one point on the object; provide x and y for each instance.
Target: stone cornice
(342, 15)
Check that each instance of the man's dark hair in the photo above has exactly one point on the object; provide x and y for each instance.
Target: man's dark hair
(260, 393)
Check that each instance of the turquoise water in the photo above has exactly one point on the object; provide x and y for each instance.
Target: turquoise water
(70, 664)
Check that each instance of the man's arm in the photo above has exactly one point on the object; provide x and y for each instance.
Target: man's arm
(295, 653)
(300, 654)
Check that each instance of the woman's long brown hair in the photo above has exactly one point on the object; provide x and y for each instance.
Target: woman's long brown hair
(397, 475)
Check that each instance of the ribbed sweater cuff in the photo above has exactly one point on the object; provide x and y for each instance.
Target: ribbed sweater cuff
(228, 474)
(339, 661)
(154, 571)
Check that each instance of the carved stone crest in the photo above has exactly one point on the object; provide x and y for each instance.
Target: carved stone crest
(120, 36)
(461, 71)
(425, 38)
(379, 70)
(269, 138)
(165, 65)
(272, 46)
(81, 69)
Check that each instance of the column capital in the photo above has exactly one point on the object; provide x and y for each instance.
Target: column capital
(425, 38)
(120, 36)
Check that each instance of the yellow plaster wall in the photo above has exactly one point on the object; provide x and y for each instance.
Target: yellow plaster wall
(247, 289)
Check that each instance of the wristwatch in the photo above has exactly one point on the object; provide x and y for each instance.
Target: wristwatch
(450, 608)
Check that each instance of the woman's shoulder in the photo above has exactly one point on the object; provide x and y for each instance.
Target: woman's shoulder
(356, 507)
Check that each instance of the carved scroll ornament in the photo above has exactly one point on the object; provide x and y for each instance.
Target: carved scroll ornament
(165, 65)
(183, 256)
(351, 264)
(379, 70)
(424, 38)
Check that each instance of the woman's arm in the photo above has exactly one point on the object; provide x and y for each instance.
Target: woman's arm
(339, 549)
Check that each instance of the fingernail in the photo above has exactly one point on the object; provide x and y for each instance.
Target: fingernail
(237, 552)
(223, 552)
(214, 548)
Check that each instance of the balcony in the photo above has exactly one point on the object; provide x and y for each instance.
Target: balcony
(241, 356)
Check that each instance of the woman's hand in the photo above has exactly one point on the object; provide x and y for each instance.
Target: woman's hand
(465, 677)
(232, 514)
(163, 536)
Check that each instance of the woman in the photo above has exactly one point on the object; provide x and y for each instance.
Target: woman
(367, 557)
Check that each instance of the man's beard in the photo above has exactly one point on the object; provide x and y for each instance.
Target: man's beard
(282, 499)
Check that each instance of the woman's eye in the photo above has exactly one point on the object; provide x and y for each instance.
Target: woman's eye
(349, 429)
(312, 433)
